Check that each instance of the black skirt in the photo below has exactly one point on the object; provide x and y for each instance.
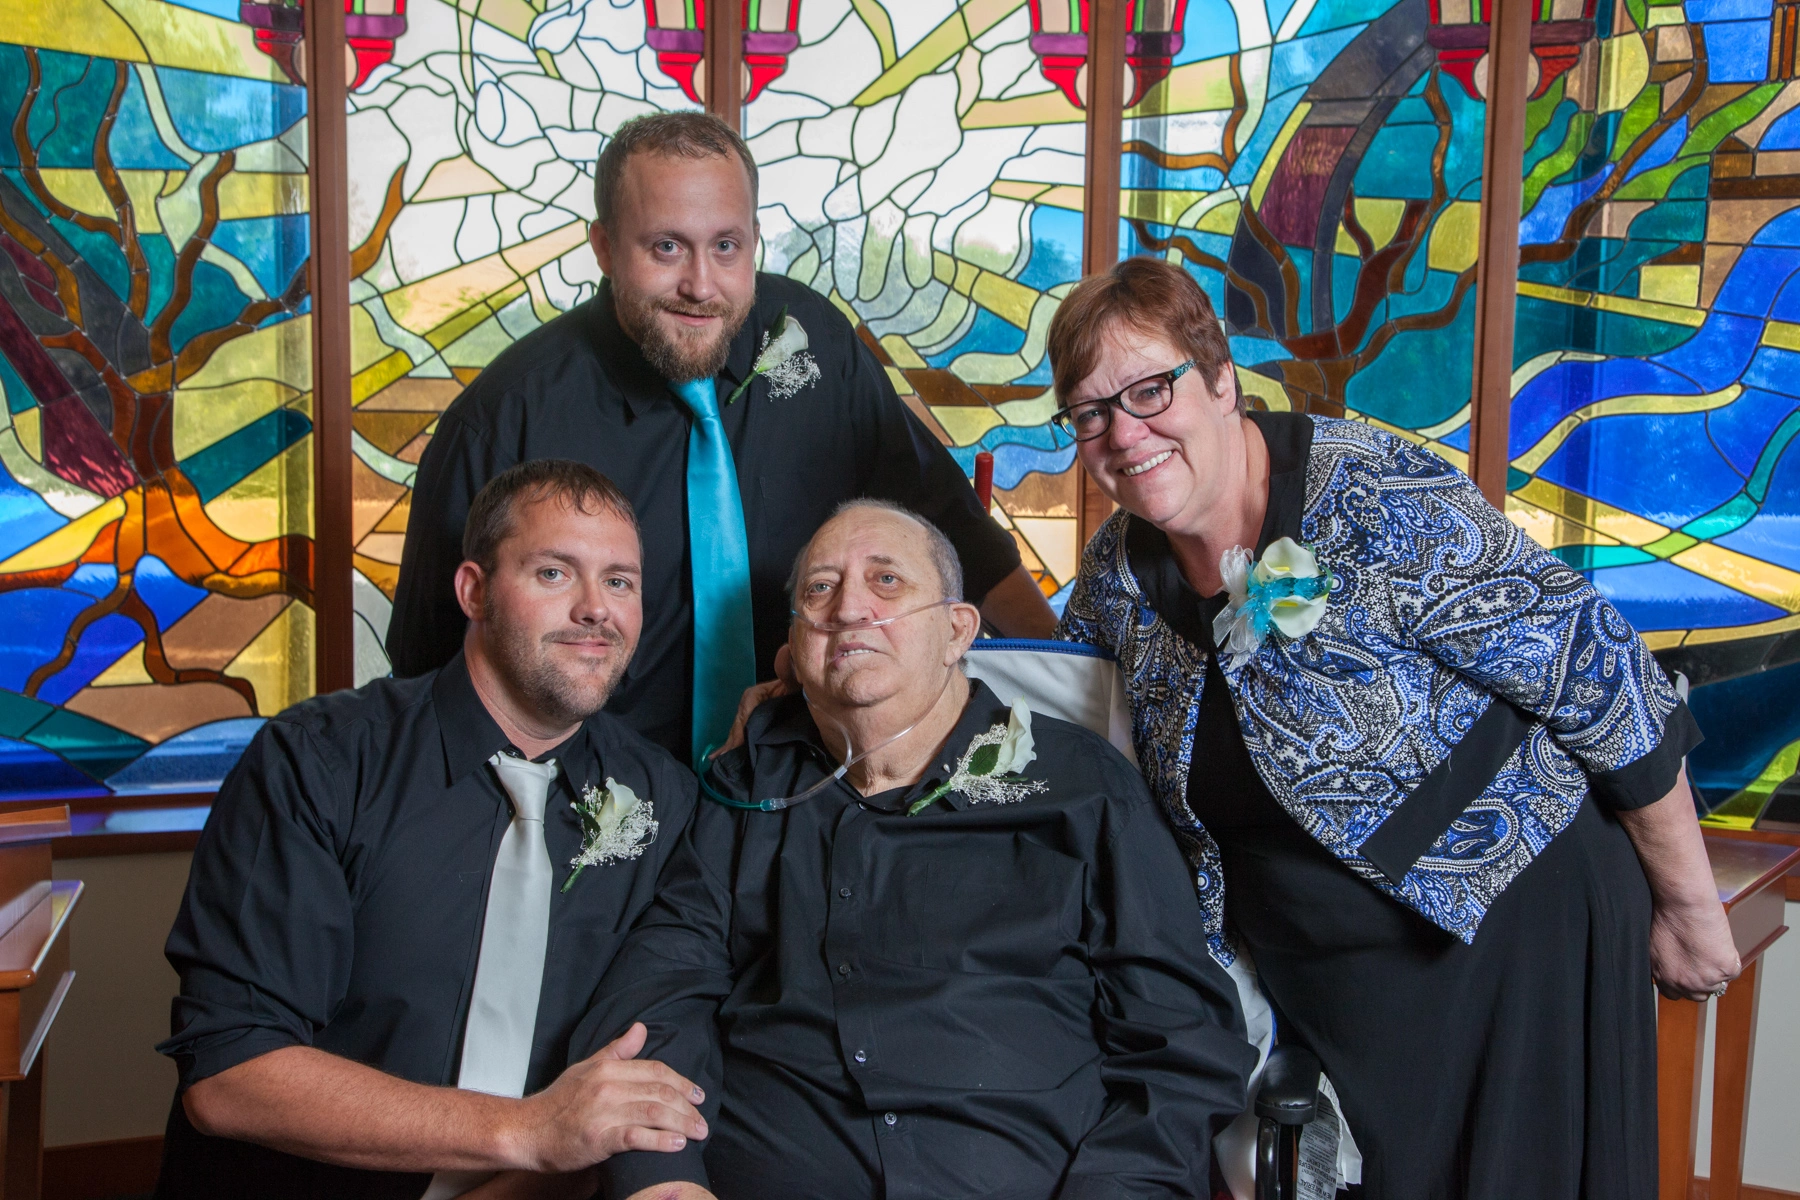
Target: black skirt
(1522, 1065)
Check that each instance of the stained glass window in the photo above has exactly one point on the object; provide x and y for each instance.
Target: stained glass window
(472, 154)
(921, 168)
(1316, 165)
(1655, 392)
(155, 472)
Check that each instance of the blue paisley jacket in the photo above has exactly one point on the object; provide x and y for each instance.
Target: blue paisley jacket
(1440, 608)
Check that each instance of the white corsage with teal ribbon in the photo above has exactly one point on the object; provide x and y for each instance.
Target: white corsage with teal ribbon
(1285, 590)
(616, 826)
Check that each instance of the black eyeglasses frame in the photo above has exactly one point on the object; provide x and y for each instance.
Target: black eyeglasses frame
(1064, 421)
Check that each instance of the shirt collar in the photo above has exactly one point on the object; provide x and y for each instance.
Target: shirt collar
(638, 382)
(789, 721)
(1288, 436)
(471, 736)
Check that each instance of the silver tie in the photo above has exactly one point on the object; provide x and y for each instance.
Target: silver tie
(509, 973)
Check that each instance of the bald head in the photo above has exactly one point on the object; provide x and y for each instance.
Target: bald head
(871, 561)
(937, 547)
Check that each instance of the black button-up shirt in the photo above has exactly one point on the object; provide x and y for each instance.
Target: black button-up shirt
(1008, 1001)
(337, 897)
(579, 388)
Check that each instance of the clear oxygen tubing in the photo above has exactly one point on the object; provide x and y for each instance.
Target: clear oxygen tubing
(856, 756)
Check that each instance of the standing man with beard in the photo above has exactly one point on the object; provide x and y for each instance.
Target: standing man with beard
(406, 895)
(656, 382)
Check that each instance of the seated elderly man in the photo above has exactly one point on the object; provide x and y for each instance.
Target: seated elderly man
(965, 962)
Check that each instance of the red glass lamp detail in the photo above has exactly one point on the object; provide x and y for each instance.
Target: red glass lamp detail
(1153, 37)
(1459, 32)
(676, 31)
(370, 27)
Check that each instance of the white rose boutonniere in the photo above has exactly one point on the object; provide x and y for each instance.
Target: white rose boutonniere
(1285, 590)
(989, 769)
(783, 359)
(615, 826)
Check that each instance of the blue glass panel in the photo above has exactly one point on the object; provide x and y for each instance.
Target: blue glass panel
(28, 770)
(221, 112)
(1782, 134)
(1742, 428)
(275, 247)
(1055, 248)
(1773, 535)
(101, 645)
(1662, 595)
(1660, 466)
(187, 761)
(135, 144)
(1725, 10)
(1737, 51)
(1756, 278)
(988, 334)
(169, 598)
(1746, 721)
(229, 459)
(1715, 356)
(35, 620)
(93, 579)
(1298, 62)
(24, 517)
(1661, 152)
(1546, 220)
(1567, 386)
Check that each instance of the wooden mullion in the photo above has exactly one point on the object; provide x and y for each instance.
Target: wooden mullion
(1100, 196)
(725, 60)
(1497, 269)
(1105, 121)
(328, 176)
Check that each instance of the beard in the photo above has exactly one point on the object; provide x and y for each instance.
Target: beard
(557, 693)
(680, 355)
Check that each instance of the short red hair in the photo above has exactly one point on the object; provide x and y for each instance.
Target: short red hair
(1154, 297)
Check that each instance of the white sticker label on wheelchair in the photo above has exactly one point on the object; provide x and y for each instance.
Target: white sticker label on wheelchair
(1318, 1174)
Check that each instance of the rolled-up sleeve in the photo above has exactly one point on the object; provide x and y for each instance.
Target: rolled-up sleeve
(263, 939)
(1176, 1062)
(1493, 605)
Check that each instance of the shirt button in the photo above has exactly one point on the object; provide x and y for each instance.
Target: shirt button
(861, 1056)
(844, 892)
(891, 1119)
(843, 968)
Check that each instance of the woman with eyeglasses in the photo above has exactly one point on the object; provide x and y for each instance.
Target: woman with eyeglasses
(1429, 780)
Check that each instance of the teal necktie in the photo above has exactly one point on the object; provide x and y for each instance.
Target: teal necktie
(719, 551)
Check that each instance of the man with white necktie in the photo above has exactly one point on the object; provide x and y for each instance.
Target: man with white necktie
(406, 896)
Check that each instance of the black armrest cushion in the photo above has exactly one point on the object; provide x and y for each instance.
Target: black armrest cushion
(1290, 1086)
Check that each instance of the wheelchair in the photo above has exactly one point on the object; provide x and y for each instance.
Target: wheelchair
(1083, 685)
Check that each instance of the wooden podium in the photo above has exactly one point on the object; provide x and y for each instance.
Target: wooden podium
(1749, 876)
(34, 979)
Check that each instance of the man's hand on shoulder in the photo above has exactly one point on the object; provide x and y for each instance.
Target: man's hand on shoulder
(673, 1191)
(606, 1105)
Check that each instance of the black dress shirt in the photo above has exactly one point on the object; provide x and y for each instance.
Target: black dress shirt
(579, 388)
(1008, 1001)
(337, 897)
